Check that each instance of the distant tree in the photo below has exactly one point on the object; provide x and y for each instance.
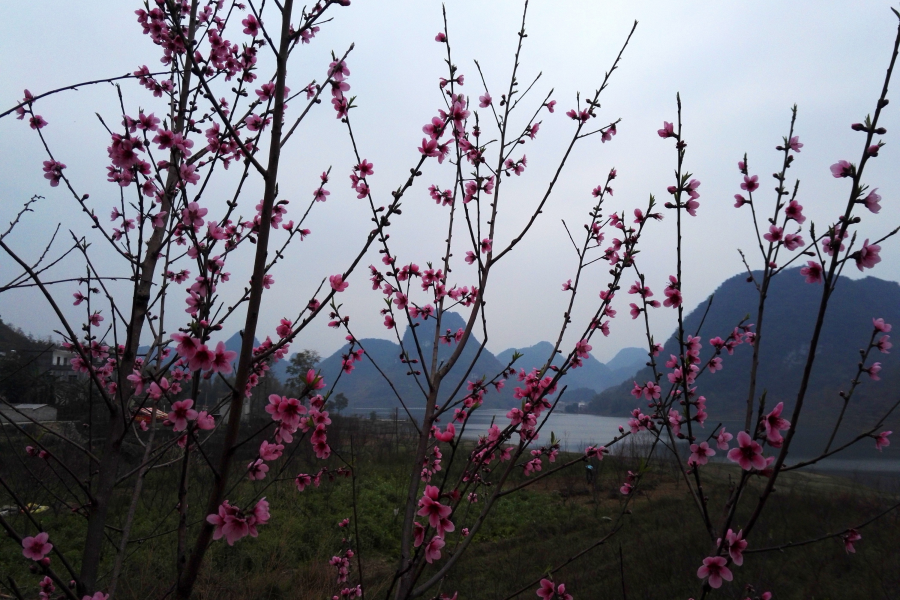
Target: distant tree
(300, 364)
(340, 402)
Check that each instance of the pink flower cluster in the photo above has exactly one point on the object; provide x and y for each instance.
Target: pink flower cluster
(438, 519)
(549, 591)
(234, 523)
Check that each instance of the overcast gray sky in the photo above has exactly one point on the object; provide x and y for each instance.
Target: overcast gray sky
(739, 67)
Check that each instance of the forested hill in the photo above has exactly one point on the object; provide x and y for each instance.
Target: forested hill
(367, 389)
(791, 309)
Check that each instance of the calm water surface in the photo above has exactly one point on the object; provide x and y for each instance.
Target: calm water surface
(575, 432)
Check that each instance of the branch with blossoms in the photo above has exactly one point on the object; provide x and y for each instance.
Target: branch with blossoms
(164, 226)
(767, 430)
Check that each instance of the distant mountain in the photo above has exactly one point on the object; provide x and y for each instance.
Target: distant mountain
(367, 389)
(233, 343)
(593, 374)
(13, 339)
(626, 363)
(790, 316)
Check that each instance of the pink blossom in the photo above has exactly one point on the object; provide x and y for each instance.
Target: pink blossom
(673, 293)
(47, 586)
(881, 326)
(37, 547)
(735, 544)
(851, 537)
(270, 452)
(314, 380)
(582, 348)
(251, 25)
(635, 310)
(418, 534)
(302, 480)
(337, 283)
(748, 454)
(181, 414)
(487, 245)
(284, 329)
(485, 101)
(446, 436)
(722, 439)
(794, 210)
(774, 235)
(202, 360)
(812, 271)
(607, 135)
(187, 346)
(794, 144)
(364, 168)
(233, 524)
(700, 454)
(205, 421)
(595, 451)
(548, 591)
(550, 105)
(751, 183)
(667, 131)
(257, 123)
(429, 506)
(881, 440)
(873, 371)
(440, 37)
(792, 241)
(582, 116)
(257, 470)
(714, 567)
(222, 360)
(774, 424)
(433, 549)
(868, 256)
(842, 169)
(53, 171)
(429, 148)
(871, 201)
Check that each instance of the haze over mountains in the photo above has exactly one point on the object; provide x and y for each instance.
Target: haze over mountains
(604, 389)
(367, 389)
(791, 310)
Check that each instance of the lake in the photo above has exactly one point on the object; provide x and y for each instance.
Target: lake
(577, 431)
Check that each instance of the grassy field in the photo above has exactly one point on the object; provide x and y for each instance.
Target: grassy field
(654, 554)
